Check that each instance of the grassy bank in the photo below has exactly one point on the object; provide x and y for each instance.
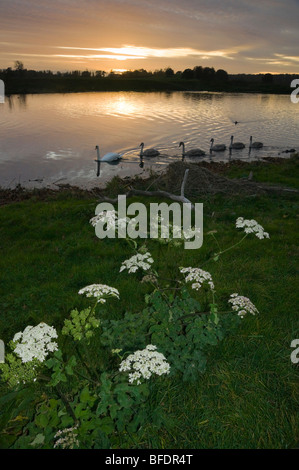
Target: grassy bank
(248, 398)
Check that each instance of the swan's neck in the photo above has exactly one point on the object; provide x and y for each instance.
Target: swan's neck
(212, 143)
(183, 149)
(141, 151)
(98, 153)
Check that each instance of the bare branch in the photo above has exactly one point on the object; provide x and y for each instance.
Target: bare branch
(158, 193)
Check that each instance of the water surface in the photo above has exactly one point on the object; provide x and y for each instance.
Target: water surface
(50, 139)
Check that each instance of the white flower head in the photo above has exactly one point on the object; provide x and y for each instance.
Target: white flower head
(144, 363)
(35, 342)
(108, 217)
(67, 438)
(251, 226)
(100, 292)
(139, 261)
(197, 276)
(111, 219)
(242, 305)
(167, 233)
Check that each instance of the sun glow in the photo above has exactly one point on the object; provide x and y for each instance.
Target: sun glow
(133, 52)
(119, 70)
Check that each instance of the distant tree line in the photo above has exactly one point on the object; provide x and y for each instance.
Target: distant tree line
(197, 73)
(20, 79)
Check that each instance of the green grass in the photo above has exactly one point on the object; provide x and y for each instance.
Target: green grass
(248, 398)
(282, 172)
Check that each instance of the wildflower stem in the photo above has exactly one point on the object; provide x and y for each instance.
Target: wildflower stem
(78, 373)
(216, 241)
(66, 403)
(233, 246)
(85, 365)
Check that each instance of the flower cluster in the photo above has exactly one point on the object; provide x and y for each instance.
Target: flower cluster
(242, 305)
(80, 324)
(198, 277)
(149, 278)
(191, 232)
(111, 219)
(68, 438)
(144, 363)
(100, 292)
(251, 226)
(35, 342)
(108, 217)
(137, 261)
(172, 234)
(16, 372)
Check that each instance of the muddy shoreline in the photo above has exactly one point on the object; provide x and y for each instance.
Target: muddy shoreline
(219, 169)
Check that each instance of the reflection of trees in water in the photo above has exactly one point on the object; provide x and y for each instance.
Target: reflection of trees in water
(168, 94)
(200, 96)
(265, 98)
(10, 101)
(20, 99)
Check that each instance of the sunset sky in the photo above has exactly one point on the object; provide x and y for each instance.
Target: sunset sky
(240, 36)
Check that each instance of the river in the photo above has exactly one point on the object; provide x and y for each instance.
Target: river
(50, 139)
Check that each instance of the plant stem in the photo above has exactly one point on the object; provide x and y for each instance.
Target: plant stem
(233, 246)
(66, 403)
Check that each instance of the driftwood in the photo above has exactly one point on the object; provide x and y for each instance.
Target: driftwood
(157, 193)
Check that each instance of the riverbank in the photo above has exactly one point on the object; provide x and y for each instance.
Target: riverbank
(248, 397)
(280, 171)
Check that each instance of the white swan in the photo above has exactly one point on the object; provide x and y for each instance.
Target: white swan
(192, 152)
(148, 152)
(255, 145)
(217, 148)
(110, 157)
(235, 145)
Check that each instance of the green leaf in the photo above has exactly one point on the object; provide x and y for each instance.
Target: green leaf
(39, 439)
(41, 420)
(81, 411)
(106, 425)
(85, 397)
(114, 410)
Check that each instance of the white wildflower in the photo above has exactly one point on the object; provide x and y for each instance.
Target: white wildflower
(192, 232)
(108, 217)
(251, 226)
(144, 363)
(111, 219)
(168, 233)
(100, 292)
(142, 261)
(67, 438)
(197, 276)
(35, 342)
(242, 305)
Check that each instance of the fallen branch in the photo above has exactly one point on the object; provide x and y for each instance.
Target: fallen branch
(157, 193)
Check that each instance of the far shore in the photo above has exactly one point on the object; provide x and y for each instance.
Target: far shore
(93, 84)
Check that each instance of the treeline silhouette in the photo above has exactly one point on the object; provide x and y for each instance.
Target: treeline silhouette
(198, 73)
(21, 80)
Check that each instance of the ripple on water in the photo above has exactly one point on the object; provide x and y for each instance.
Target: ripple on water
(50, 136)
